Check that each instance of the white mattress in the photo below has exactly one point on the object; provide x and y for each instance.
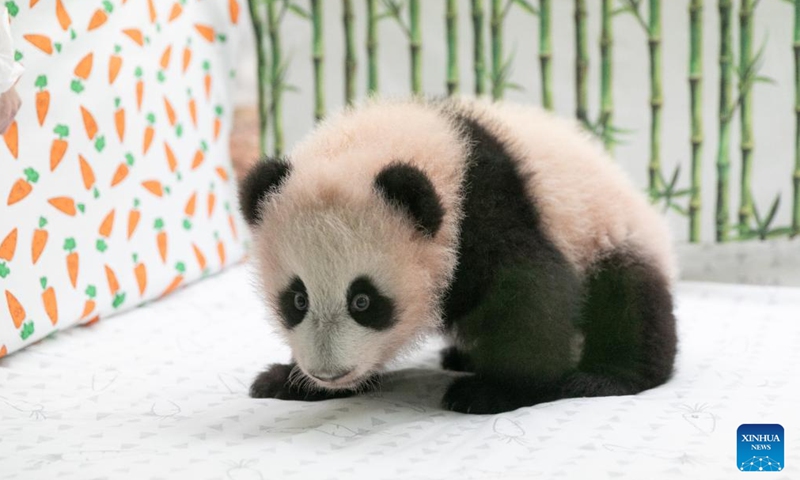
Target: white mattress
(161, 392)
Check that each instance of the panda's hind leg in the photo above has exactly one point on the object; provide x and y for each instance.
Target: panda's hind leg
(629, 329)
(456, 360)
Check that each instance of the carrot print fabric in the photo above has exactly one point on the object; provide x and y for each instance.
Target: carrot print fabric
(115, 180)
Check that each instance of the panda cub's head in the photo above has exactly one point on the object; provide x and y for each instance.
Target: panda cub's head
(349, 263)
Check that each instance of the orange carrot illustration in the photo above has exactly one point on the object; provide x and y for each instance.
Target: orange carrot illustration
(22, 187)
(187, 58)
(59, 146)
(212, 200)
(149, 131)
(161, 239)
(9, 246)
(133, 218)
(42, 99)
(39, 240)
(89, 123)
(205, 31)
(154, 187)
(107, 225)
(201, 259)
(176, 282)
(140, 272)
(176, 11)
(139, 88)
(170, 112)
(134, 34)
(152, 9)
(220, 250)
(193, 111)
(11, 137)
(190, 205)
(172, 162)
(231, 221)
(90, 304)
(41, 42)
(84, 68)
(164, 62)
(114, 64)
(62, 15)
(100, 16)
(113, 283)
(233, 8)
(207, 78)
(222, 173)
(119, 120)
(15, 309)
(49, 301)
(3, 351)
(217, 121)
(122, 170)
(72, 260)
(64, 205)
(32, 3)
(199, 156)
(86, 173)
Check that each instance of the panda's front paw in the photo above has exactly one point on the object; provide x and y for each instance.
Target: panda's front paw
(476, 395)
(275, 382)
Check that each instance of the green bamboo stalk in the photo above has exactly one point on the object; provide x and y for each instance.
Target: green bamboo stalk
(478, 61)
(746, 115)
(581, 63)
(372, 47)
(415, 47)
(451, 19)
(276, 74)
(656, 97)
(696, 92)
(545, 53)
(318, 57)
(349, 54)
(496, 26)
(263, 109)
(606, 97)
(725, 114)
(796, 176)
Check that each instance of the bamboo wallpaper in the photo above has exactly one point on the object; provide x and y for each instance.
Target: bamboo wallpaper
(680, 184)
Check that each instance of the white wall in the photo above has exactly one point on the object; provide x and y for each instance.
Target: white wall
(773, 104)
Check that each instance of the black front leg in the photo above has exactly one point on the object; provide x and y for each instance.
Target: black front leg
(275, 383)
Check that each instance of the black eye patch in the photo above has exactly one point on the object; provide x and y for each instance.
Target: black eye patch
(379, 315)
(292, 316)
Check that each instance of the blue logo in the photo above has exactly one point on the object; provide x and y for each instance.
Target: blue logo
(759, 447)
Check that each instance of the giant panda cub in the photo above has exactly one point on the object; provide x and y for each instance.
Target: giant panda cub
(502, 226)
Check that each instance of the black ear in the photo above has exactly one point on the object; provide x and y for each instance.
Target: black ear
(264, 177)
(408, 188)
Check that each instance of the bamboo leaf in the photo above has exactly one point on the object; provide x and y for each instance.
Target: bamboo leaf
(679, 209)
(772, 211)
(779, 232)
(526, 6)
(299, 11)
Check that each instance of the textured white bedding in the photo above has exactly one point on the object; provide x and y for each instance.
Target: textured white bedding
(156, 393)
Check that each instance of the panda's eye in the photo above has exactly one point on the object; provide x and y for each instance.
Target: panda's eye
(360, 302)
(300, 302)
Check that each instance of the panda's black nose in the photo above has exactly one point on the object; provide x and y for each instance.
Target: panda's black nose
(326, 376)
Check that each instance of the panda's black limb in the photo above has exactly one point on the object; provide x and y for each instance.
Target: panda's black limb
(523, 353)
(278, 382)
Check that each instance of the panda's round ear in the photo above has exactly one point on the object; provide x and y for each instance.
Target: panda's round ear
(264, 178)
(409, 189)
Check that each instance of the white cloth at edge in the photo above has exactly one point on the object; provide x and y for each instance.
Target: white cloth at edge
(10, 70)
(157, 393)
